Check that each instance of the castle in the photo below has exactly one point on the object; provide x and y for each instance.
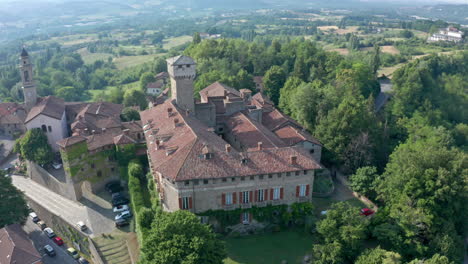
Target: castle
(229, 150)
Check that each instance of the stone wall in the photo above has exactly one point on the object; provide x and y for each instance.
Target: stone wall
(44, 178)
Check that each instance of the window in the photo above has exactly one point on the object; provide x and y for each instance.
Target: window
(305, 172)
(270, 176)
(224, 180)
(49, 128)
(92, 165)
(288, 174)
(99, 174)
(279, 175)
(312, 151)
(245, 218)
(205, 181)
(276, 193)
(233, 179)
(228, 199)
(302, 190)
(261, 195)
(44, 128)
(195, 182)
(260, 177)
(188, 65)
(187, 183)
(138, 136)
(112, 169)
(185, 203)
(245, 197)
(213, 181)
(179, 66)
(297, 173)
(252, 178)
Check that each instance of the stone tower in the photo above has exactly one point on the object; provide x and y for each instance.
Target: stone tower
(182, 72)
(29, 88)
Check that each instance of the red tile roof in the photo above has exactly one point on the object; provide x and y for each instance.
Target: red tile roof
(16, 248)
(218, 89)
(154, 85)
(292, 135)
(180, 152)
(50, 106)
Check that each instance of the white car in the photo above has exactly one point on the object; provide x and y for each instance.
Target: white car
(123, 215)
(121, 208)
(56, 165)
(49, 232)
(81, 225)
(34, 217)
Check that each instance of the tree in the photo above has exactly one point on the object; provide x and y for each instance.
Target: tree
(273, 81)
(328, 253)
(35, 147)
(353, 43)
(134, 98)
(179, 237)
(375, 59)
(378, 256)
(129, 114)
(362, 181)
(196, 38)
(69, 93)
(342, 226)
(13, 208)
(436, 259)
(160, 65)
(286, 101)
(146, 78)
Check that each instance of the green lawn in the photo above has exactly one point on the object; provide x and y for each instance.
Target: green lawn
(269, 248)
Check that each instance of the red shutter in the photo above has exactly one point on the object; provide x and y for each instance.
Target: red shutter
(223, 199)
(265, 195)
(297, 191)
(180, 203)
(271, 194)
(256, 196)
(307, 189)
(251, 196)
(281, 193)
(190, 202)
(234, 198)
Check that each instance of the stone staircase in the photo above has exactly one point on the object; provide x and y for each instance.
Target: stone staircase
(113, 250)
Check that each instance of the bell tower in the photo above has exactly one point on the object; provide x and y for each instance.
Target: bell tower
(182, 72)
(29, 88)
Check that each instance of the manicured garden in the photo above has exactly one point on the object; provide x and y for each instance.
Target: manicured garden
(291, 245)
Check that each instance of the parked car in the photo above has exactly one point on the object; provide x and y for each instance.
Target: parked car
(34, 217)
(123, 215)
(49, 250)
(113, 187)
(121, 222)
(42, 225)
(121, 208)
(83, 261)
(58, 240)
(49, 232)
(73, 253)
(81, 225)
(120, 201)
(366, 211)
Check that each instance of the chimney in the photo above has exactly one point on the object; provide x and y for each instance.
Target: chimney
(187, 112)
(126, 131)
(293, 160)
(169, 112)
(176, 122)
(157, 143)
(228, 148)
(259, 145)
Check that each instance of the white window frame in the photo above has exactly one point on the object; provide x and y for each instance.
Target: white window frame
(228, 200)
(261, 195)
(185, 203)
(245, 197)
(245, 218)
(302, 190)
(277, 193)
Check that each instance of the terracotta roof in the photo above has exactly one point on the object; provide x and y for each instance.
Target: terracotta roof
(123, 140)
(218, 89)
(16, 248)
(66, 142)
(249, 132)
(162, 75)
(100, 140)
(154, 85)
(291, 136)
(9, 108)
(275, 119)
(181, 146)
(262, 101)
(50, 106)
(133, 126)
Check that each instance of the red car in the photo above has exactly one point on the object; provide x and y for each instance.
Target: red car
(366, 211)
(58, 240)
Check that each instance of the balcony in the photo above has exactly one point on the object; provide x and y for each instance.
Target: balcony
(261, 204)
(246, 206)
(276, 202)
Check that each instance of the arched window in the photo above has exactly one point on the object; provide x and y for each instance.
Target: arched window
(44, 128)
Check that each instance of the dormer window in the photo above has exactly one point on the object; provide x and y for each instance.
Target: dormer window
(188, 65)
(180, 66)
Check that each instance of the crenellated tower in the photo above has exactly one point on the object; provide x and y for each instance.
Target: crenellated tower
(29, 87)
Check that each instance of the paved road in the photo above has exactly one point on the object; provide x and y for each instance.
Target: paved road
(70, 211)
(40, 239)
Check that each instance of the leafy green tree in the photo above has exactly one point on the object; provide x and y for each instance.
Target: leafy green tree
(179, 237)
(35, 147)
(286, 101)
(146, 78)
(135, 169)
(159, 65)
(69, 93)
(353, 43)
(436, 259)
(406, 33)
(134, 97)
(129, 114)
(362, 181)
(330, 253)
(375, 59)
(342, 226)
(378, 256)
(196, 38)
(273, 81)
(13, 208)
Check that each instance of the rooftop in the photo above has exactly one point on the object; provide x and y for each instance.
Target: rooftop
(15, 246)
